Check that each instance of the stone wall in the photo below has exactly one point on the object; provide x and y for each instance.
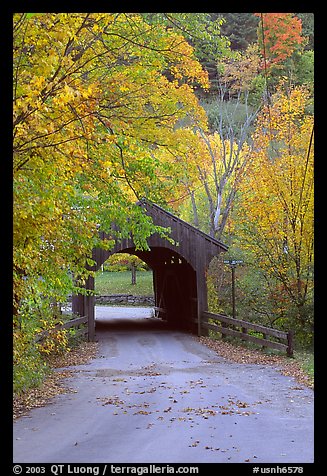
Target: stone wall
(124, 299)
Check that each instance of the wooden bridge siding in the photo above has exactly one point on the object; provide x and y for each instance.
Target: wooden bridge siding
(193, 247)
(183, 306)
(167, 264)
(191, 280)
(84, 306)
(78, 304)
(187, 234)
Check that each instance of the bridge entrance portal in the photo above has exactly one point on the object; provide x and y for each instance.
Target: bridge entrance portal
(179, 271)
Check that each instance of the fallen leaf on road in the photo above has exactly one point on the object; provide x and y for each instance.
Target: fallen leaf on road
(242, 404)
(111, 401)
(194, 444)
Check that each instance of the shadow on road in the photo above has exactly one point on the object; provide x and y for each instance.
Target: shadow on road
(127, 324)
(113, 319)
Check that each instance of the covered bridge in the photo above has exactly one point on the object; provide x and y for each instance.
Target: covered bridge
(179, 270)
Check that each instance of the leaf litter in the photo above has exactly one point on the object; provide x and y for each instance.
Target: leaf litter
(54, 385)
(239, 354)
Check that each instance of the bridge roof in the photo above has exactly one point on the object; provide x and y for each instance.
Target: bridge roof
(160, 214)
(193, 245)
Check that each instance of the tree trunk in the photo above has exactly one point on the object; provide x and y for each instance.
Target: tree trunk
(195, 210)
(133, 269)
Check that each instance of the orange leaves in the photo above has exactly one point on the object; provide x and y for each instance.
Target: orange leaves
(279, 34)
(239, 71)
(186, 66)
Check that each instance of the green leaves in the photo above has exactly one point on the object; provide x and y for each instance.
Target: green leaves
(98, 105)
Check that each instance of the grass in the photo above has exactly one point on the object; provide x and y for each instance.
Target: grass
(306, 360)
(119, 282)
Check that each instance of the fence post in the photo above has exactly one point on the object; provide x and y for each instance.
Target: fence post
(223, 336)
(245, 331)
(264, 347)
(289, 349)
(89, 308)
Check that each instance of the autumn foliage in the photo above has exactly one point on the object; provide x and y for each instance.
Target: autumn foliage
(106, 111)
(279, 34)
(99, 101)
(276, 213)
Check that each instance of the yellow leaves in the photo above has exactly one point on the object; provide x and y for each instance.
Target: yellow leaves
(67, 95)
(123, 88)
(92, 125)
(185, 65)
(37, 84)
(57, 341)
(277, 194)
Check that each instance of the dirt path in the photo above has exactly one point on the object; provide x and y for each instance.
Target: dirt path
(158, 395)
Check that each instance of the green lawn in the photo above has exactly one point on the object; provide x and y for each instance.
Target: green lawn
(119, 282)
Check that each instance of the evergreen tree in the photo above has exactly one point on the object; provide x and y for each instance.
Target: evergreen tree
(240, 28)
(307, 28)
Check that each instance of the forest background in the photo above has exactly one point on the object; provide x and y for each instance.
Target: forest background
(209, 115)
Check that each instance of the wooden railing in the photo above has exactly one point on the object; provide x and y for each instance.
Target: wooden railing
(286, 337)
(66, 325)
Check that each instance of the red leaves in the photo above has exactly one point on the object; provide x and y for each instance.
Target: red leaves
(279, 35)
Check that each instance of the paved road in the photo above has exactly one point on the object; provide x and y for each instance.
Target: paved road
(157, 395)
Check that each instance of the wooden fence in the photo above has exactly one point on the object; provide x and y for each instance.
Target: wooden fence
(66, 325)
(286, 337)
